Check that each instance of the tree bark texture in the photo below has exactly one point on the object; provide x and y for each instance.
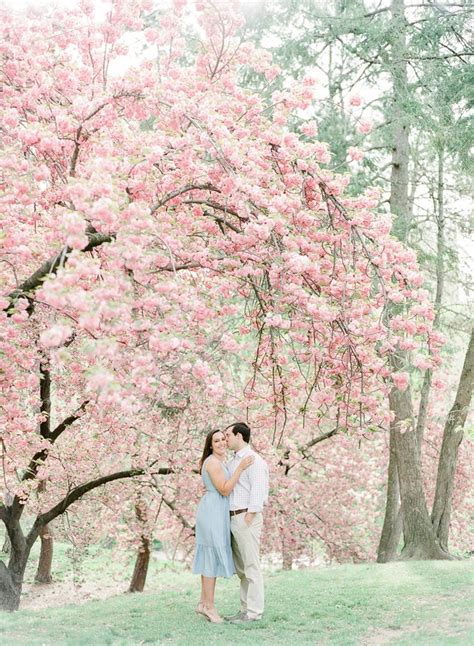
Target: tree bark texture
(419, 539)
(6, 545)
(43, 572)
(440, 253)
(11, 577)
(452, 436)
(392, 524)
(287, 557)
(143, 557)
(401, 206)
(140, 570)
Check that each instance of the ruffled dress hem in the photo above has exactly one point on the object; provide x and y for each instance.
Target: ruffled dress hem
(213, 561)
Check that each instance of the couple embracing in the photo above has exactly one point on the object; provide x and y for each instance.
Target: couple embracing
(229, 521)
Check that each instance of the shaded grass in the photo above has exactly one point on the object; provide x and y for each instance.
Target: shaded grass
(397, 603)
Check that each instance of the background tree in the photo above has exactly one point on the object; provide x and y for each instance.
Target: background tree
(410, 61)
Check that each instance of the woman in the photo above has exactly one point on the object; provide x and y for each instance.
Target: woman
(213, 556)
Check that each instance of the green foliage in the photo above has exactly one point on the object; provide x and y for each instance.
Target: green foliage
(157, 545)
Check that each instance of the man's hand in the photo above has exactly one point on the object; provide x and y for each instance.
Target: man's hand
(248, 518)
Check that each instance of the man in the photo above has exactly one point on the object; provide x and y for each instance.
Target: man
(246, 506)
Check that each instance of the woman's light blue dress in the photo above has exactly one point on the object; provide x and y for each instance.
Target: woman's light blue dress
(213, 555)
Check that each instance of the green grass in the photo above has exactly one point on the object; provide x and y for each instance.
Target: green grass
(399, 603)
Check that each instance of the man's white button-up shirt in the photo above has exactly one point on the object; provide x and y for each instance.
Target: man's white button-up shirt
(251, 490)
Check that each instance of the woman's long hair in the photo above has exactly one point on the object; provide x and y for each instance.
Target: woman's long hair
(208, 447)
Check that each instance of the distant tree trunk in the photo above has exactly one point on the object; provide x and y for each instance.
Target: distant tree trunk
(452, 436)
(287, 558)
(141, 566)
(418, 532)
(143, 556)
(401, 205)
(419, 540)
(392, 524)
(440, 252)
(43, 573)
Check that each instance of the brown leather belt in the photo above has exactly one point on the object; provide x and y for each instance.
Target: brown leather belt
(238, 511)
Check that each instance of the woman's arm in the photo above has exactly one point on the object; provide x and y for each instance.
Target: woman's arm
(216, 473)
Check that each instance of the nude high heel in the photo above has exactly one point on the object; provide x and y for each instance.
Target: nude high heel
(212, 616)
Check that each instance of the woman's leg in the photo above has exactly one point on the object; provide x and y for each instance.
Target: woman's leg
(208, 588)
(202, 600)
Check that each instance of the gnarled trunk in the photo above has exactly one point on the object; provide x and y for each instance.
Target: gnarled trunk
(11, 577)
(10, 590)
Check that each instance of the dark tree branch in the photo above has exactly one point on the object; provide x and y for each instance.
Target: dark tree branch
(60, 428)
(303, 449)
(74, 495)
(51, 266)
(45, 397)
(316, 440)
(41, 456)
(181, 191)
(218, 207)
(171, 505)
(79, 491)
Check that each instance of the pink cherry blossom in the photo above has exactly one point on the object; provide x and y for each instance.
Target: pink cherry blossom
(55, 336)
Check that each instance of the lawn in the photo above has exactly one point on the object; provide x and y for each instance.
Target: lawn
(398, 603)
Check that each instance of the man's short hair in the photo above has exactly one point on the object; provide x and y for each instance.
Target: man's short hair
(243, 429)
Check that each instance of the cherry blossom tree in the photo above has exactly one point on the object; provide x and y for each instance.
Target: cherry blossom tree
(164, 237)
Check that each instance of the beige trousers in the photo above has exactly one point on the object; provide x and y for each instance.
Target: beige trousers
(246, 552)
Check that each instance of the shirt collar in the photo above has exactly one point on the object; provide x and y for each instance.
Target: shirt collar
(243, 451)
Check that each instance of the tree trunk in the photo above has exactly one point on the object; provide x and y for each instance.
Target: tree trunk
(419, 541)
(43, 573)
(452, 436)
(440, 252)
(418, 532)
(10, 590)
(287, 558)
(141, 566)
(401, 205)
(11, 577)
(143, 557)
(6, 545)
(399, 177)
(393, 520)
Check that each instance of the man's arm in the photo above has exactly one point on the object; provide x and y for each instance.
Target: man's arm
(258, 476)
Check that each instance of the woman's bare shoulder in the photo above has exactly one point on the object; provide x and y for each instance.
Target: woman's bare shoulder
(212, 463)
